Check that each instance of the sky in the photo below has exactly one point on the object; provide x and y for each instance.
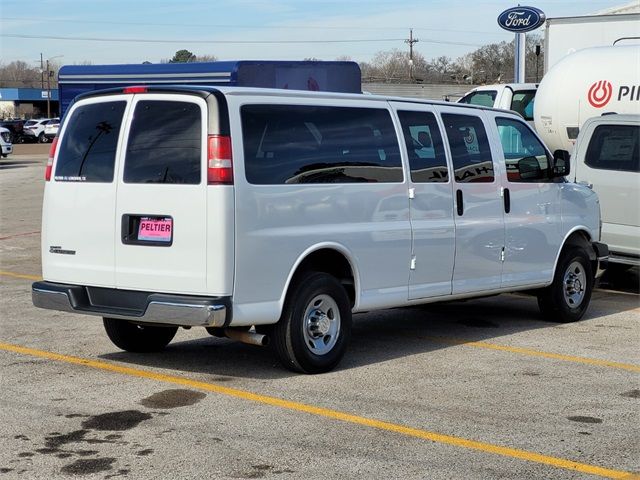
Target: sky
(133, 31)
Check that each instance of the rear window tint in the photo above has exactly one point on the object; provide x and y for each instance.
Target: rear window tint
(470, 151)
(87, 151)
(165, 143)
(425, 148)
(614, 147)
(310, 144)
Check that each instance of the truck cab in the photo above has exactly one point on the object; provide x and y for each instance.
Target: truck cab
(518, 97)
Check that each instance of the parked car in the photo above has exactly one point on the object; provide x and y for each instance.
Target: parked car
(16, 127)
(270, 216)
(606, 157)
(51, 128)
(5, 142)
(34, 130)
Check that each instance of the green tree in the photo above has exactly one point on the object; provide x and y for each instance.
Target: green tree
(183, 56)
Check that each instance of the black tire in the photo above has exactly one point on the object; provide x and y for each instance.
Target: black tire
(5, 155)
(138, 338)
(567, 298)
(313, 333)
(42, 138)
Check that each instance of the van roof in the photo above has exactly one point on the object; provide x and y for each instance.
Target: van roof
(205, 90)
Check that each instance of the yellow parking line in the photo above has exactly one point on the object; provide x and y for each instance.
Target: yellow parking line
(20, 275)
(535, 353)
(328, 413)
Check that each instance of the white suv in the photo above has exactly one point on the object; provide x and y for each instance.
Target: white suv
(270, 216)
(34, 130)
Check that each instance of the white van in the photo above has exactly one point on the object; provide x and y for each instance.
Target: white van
(607, 158)
(273, 215)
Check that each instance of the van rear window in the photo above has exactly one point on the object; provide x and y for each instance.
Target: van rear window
(165, 143)
(88, 148)
(314, 144)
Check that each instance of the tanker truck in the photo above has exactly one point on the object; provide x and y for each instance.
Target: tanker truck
(584, 84)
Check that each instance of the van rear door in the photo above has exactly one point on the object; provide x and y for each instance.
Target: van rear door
(78, 236)
(161, 209)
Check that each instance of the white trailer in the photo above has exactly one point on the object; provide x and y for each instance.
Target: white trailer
(565, 35)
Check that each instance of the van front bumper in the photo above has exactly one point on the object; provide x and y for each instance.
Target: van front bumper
(142, 307)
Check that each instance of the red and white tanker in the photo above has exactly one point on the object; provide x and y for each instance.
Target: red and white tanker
(586, 84)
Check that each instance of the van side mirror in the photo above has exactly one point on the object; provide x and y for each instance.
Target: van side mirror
(529, 169)
(561, 164)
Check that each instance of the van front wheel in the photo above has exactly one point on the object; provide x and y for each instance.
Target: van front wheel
(567, 298)
(138, 338)
(314, 330)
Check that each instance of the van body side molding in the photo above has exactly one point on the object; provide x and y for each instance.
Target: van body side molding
(143, 307)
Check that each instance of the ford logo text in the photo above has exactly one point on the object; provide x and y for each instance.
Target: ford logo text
(521, 19)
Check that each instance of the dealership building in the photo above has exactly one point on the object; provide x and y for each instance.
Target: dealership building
(28, 103)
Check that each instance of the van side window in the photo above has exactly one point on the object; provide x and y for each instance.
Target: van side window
(165, 143)
(525, 156)
(88, 149)
(424, 145)
(312, 144)
(470, 151)
(614, 147)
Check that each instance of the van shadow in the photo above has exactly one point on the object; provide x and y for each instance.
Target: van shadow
(376, 337)
(15, 164)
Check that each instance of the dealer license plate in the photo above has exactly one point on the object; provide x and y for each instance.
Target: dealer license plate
(156, 229)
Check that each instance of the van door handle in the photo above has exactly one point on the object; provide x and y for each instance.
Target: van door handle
(459, 202)
(507, 200)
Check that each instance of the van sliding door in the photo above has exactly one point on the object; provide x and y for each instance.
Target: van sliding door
(431, 204)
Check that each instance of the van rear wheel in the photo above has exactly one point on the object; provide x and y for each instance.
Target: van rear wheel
(567, 298)
(314, 330)
(132, 337)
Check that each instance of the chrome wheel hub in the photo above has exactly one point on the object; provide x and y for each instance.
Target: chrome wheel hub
(321, 324)
(575, 282)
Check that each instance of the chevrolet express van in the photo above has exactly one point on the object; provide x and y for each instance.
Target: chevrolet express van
(270, 216)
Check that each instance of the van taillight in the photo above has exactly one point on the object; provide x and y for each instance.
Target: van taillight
(220, 162)
(52, 154)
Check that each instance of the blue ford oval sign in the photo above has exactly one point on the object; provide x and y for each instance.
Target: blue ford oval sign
(521, 19)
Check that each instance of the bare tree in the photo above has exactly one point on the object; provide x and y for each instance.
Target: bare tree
(19, 74)
(206, 58)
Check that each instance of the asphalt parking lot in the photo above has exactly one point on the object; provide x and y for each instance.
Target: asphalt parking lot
(483, 389)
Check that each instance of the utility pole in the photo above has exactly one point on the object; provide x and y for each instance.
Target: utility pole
(411, 41)
(48, 91)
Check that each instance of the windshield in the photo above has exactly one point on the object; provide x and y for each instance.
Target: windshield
(486, 98)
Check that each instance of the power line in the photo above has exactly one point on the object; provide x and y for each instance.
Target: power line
(185, 41)
(231, 42)
(263, 27)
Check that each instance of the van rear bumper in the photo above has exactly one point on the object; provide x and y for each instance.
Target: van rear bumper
(143, 307)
